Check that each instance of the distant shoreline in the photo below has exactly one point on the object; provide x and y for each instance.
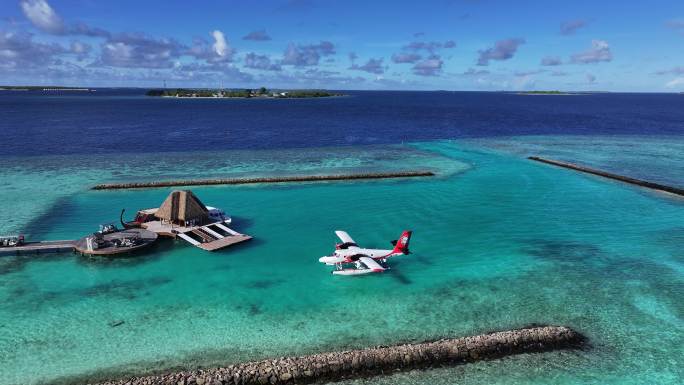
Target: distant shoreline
(248, 97)
(550, 93)
(260, 93)
(45, 88)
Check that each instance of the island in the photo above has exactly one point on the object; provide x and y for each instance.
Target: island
(262, 92)
(552, 92)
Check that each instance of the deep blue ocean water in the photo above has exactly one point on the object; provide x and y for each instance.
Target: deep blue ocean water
(125, 120)
(499, 242)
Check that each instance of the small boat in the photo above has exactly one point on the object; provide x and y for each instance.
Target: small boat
(143, 216)
(218, 215)
(11, 240)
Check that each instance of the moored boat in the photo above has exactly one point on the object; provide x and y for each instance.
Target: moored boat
(11, 240)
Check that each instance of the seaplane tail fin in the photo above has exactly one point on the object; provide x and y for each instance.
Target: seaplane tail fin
(401, 245)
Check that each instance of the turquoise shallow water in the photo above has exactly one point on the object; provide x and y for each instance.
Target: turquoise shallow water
(499, 242)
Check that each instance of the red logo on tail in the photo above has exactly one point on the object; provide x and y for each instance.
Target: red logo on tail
(402, 244)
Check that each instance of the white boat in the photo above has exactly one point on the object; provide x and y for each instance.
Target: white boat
(218, 215)
(11, 240)
(148, 215)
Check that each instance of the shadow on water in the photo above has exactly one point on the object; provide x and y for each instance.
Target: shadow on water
(15, 263)
(251, 309)
(263, 284)
(50, 218)
(122, 289)
(254, 309)
(241, 224)
(36, 299)
(400, 277)
(395, 271)
(565, 251)
(421, 259)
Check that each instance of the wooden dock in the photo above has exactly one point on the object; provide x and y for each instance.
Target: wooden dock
(281, 179)
(621, 178)
(224, 242)
(39, 248)
(209, 237)
(111, 244)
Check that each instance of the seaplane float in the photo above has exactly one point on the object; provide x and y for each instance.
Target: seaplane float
(350, 259)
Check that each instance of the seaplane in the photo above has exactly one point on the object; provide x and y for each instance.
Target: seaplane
(350, 259)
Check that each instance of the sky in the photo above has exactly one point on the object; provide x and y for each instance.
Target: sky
(609, 45)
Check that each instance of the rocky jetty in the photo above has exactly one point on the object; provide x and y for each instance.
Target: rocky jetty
(326, 367)
(605, 174)
(282, 179)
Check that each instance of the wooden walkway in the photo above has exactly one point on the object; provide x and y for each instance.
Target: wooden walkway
(112, 244)
(621, 178)
(39, 248)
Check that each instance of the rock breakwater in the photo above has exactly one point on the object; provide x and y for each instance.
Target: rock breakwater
(326, 367)
(605, 174)
(282, 179)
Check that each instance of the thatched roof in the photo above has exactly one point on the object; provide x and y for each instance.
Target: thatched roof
(182, 206)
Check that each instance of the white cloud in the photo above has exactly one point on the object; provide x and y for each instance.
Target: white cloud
(677, 82)
(220, 44)
(41, 14)
(599, 51)
(18, 50)
(139, 51)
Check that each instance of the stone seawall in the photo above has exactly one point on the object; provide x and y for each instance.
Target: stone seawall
(326, 367)
(282, 179)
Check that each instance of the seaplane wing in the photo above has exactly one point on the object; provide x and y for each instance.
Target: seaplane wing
(345, 238)
(371, 264)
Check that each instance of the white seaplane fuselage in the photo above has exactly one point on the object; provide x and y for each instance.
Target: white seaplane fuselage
(347, 255)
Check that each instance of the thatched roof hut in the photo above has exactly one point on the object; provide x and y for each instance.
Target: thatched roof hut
(182, 207)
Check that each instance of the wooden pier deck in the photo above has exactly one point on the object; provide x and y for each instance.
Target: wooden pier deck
(40, 248)
(209, 237)
(111, 246)
(224, 242)
(605, 174)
